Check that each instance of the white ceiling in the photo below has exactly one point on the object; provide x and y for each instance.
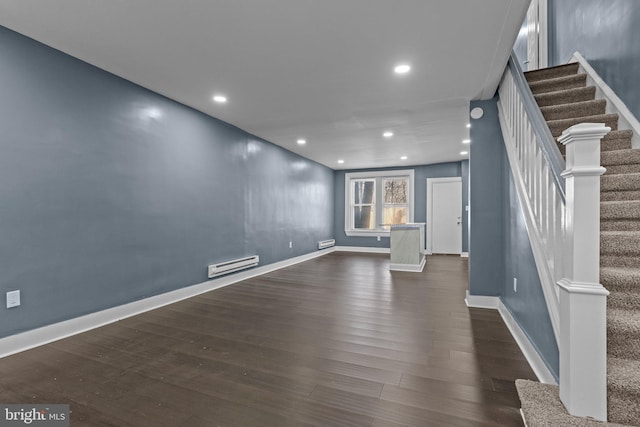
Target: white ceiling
(315, 69)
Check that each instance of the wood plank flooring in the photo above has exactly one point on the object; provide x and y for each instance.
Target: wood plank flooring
(336, 341)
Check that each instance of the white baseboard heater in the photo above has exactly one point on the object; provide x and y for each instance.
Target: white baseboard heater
(326, 244)
(233, 266)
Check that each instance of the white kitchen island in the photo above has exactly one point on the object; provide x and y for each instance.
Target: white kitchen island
(408, 247)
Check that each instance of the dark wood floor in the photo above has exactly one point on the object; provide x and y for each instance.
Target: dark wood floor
(336, 341)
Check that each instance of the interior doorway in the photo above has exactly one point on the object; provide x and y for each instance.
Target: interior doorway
(444, 215)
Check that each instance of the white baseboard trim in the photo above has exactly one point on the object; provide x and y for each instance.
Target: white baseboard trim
(481, 301)
(523, 419)
(414, 268)
(36, 337)
(362, 249)
(526, 346)
(464, 254)
(528, 349)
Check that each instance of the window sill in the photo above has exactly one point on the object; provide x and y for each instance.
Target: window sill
(367, 233)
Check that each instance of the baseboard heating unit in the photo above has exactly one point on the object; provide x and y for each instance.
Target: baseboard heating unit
(326, 244)
(233, 266)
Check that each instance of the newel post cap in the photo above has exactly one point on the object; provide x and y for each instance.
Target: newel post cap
(583, 131)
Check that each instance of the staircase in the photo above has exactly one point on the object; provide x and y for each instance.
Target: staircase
(565, 100)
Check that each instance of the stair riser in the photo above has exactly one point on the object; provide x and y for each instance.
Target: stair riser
(623, 406)
(620, 157)
(624, 244)
(616, 211)
(620, 225)
(623, 300)
(618, 261)
(547, 86)
(623, 343)
(620, 183)
(615, 144)
(569, 111)
(557, 127)
(622, 169)
(552, 72)
(580, 94)
(619, 195)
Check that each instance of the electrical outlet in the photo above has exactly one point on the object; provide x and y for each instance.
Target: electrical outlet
(515, 284)
(13, 299)
(290, 244)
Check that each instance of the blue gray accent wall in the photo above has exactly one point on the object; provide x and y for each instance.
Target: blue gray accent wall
(526, 304)
(607, 34)
(500, 248)
(110, 193)
(421, 173)
(486, 250)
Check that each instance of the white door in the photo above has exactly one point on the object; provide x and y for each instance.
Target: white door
(537, 37)
(532, 36)
(444, 215)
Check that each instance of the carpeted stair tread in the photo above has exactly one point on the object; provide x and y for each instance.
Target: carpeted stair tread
(622, 373)
(616, 260)
(566, 96)
(552, 72)
(621, 279)
(629, 300)
(620, 157)
(620, 209)
(626, 182)
(623, 333)
(576, 109)
(623, 390)
(623, 285)
(558, 126)
(558, 83)
(620, 225)
(622, 169)
(541, 407)
(619, 195)
(617, 140)
(625, 243)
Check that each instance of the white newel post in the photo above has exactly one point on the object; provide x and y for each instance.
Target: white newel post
(583, 300)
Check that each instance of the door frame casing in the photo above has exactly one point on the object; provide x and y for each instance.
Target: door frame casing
(429, 220)
(540, 59)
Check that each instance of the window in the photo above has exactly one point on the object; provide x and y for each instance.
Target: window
(376, 200)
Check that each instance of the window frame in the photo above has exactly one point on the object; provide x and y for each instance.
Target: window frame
(379, 177)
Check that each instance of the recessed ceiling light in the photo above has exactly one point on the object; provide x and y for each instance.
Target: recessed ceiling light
(464, 153)
(468, 125)
(387, 134)
(302, 141)
(466, 141)
(341, 161)
(402, 68)
(403, 158)
(220, 99)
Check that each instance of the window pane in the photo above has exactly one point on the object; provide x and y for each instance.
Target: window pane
(363, 217)
(363, 192)
(395, 215)
(395, 191)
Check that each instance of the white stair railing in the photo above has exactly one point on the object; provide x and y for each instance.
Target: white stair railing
(536, 169)
(564, 232)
